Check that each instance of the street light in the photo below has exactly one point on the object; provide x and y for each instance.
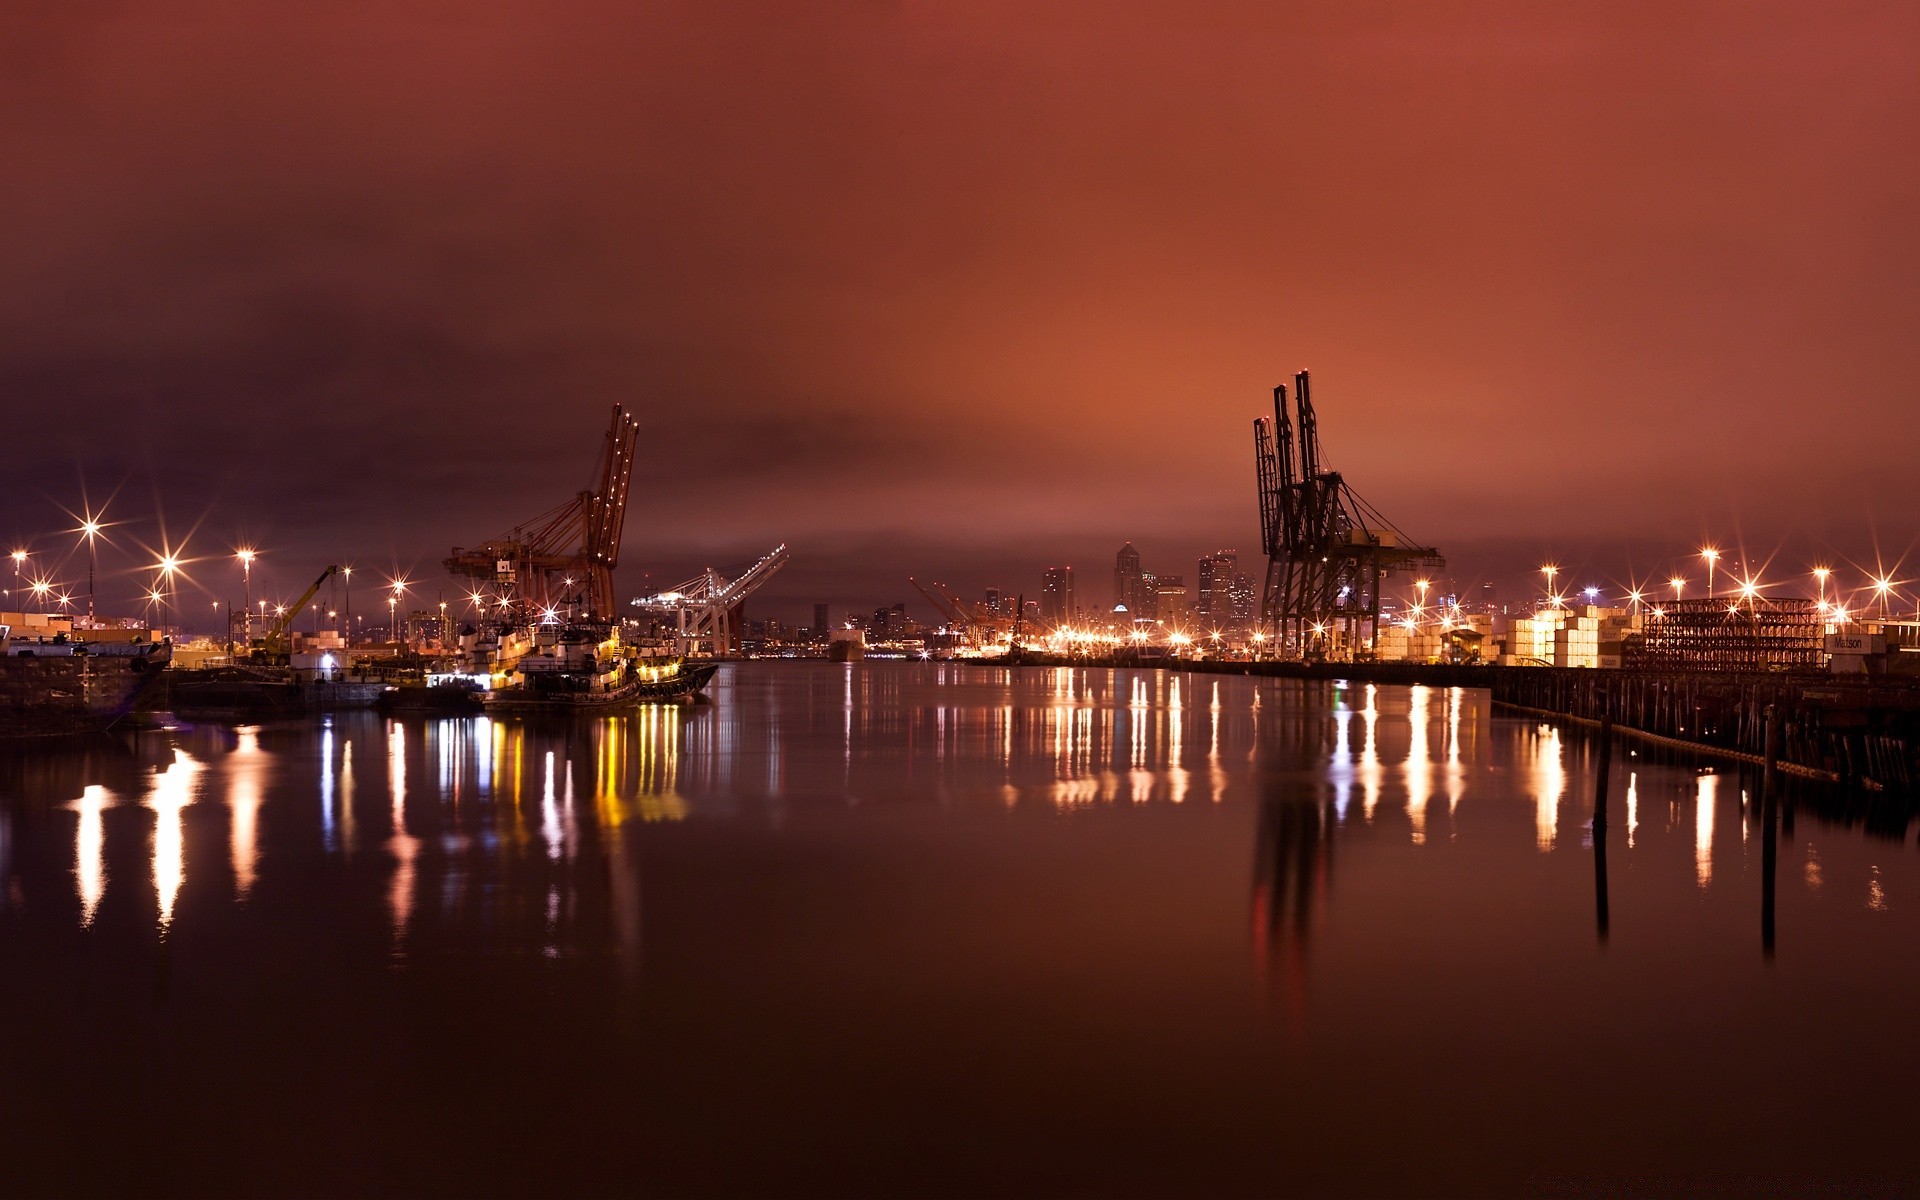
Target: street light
(1550, 571)
(347, 573)
(393, 615)
(1883, 585)
(19, 561)
(90, 530)
(245, 556)
(1820, 576)
(1676, 583)
(1712, 556)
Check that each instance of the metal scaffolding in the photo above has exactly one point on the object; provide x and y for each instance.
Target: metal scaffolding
(1749, 634)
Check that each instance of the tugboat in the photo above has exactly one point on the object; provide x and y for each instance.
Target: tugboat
(582, 666)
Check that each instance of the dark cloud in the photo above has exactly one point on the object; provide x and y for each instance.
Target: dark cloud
(961, 290)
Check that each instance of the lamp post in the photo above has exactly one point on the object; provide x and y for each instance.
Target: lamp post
(246, 605)
(19, 561)
(393, 614)
(1820, 577)
(90, 529)
(1550, 571)
(347, 573)
(1712, 556)
(1883, 585)
(1677, 583)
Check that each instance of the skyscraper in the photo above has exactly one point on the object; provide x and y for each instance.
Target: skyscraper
(1128, 579)
(1170, 600)
(820, 619)
(1056, 596)
(1213, 600)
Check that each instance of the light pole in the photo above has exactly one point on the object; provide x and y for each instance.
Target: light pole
(1677, 583)
(246, 582)
(1550, 571)
(393, 614)
(1883, 585)
(1712, 556)
(19, 561)
(90, 529)
(347, 573)
(1820, 577)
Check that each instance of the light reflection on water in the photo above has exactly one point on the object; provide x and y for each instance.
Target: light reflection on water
(1093, 739)
(901, 864)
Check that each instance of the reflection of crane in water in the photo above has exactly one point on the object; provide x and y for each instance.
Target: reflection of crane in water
(1292, 865)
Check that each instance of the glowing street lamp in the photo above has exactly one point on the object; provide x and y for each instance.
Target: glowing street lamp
(1820, 577)
(346, 573)
(1550, 571)
(1676, 583)
(19, 561)
(245, 555)
(1712, 556)
(393, 614)
(1882, 585)
(1633, 601)
(90, 530)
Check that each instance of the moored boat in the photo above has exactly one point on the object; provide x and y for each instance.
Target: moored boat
(584, 667)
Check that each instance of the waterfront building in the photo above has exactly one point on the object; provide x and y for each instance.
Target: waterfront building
(820, 624)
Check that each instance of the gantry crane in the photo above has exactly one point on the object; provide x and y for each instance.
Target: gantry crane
(1327, 549)
(704, 612)
(563, 559)
(981, 625)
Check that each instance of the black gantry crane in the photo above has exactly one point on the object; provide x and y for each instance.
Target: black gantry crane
(1327, 549)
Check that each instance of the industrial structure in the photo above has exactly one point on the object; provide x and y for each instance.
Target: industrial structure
(1327, 550)
(703, 615)
(982, 624)
(562, 561)
(1752, 634)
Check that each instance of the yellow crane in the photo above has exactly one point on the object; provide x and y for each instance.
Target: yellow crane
(272, 646)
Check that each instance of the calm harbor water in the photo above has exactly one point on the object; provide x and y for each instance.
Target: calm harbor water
(924, 929)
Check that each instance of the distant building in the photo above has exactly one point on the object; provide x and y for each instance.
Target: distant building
(1170, 607)
(820, 619)
(1056, 596)
(1213, 597)
(1149, 608)
(1246, 599)
(1128, 579)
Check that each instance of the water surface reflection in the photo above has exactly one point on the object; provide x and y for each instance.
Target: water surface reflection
(931, 906)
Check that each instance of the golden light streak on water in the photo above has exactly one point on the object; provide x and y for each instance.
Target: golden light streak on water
(401, 845)
(1371, 772)
(245, 768)
(171, 792)
(1418, 767)
(1549, 784)
(1633, 805)
(89, 851)
(1703, 829)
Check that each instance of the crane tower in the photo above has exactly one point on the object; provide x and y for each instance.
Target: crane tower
(1327, 549)
(563, 558)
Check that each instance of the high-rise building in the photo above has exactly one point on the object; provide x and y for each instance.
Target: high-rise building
(1246, 599)
(1056, 596)
(1213, 598)
(1127, 579)
(1149, 597)
(1171, 600)
(820, 619)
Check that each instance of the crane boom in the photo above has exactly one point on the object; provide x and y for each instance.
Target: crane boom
(274, 642)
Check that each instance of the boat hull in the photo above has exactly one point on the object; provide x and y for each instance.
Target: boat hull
(687, 682)
(68, 696)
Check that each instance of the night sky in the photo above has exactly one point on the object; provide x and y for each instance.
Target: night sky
(957, 290)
